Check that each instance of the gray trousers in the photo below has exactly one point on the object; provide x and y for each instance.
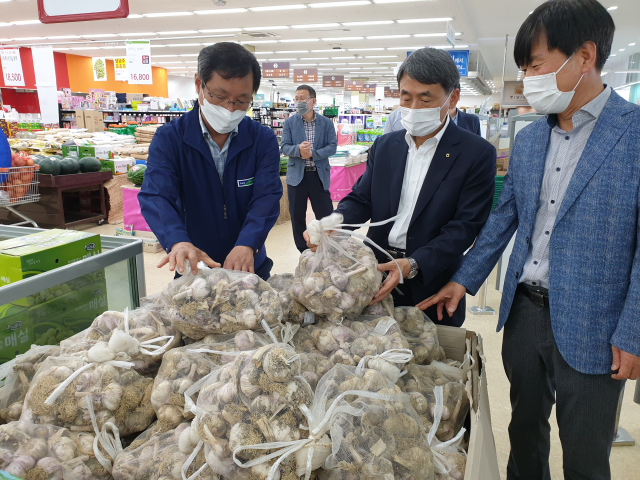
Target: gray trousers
(585, 404)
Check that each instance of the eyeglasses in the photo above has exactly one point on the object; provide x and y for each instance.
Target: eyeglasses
(220, 100)
(305, 100)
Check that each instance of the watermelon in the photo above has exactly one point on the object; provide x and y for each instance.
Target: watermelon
(136, 174)
(90, 164)
(69, 166)
(49, 166)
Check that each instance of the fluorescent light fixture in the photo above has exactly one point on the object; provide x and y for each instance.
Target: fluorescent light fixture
(282, 59)
(632, 44)
(317, 25)
(168, 14)
(383, 37)
(253, 42)
(221, 30)
(315, 58)
(162, 46)
(342, 58)
(347, 68)
(263, 53)
(222, 11)
(135, 15)
(334, 50)
(613, 55)
(339, 39)
(293, 51)
(182, 45)
(22, 39)
(377, 22)
(611, 9)
(25, 22)
(350, 3)
(304, 65)
(100, 35)
(331, 64)
(60, 37)
(5, 24)
(378, 68)
(365, 63)
(276, 27)
(140, 34)
(382, 56)
(621, 50)
(430, 35)
(445, 47)
(191, 61)
(178, 32)
(185, 55)
(297, 6)
(425, 20)
(296, 40)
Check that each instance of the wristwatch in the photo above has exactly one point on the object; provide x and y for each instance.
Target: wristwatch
(414, 268)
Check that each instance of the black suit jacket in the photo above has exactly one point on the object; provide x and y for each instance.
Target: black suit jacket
(453, 205)
(469, 122)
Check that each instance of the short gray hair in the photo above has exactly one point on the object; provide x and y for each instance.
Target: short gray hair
(431, 66)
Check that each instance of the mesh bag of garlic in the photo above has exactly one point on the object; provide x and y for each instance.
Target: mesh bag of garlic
(252, 401)
(292, 310)
(218, 301)
(383, 308)
(159, 457)
(17, 374)
(144, 334)
(85, 391)
(421, 333)
(450, 460)
(45, 452)
(421, 382)
(339, 280)
(184, 369)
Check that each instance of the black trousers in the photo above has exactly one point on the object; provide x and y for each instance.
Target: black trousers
(585, 404)
(310, 188)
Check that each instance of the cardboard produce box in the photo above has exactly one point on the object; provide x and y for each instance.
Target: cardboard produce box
(93, 121)
(482, 458)
(99, 151)
(24, 257)
(117, 166)
(15, 331)
(80, 119)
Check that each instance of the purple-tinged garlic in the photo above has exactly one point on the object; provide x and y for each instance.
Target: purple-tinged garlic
(20, 465)
(51, 467)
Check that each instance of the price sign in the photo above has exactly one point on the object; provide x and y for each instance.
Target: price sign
(305, 75)
(139, 62)
(369, 88)
(120, 66)
(12, 67)
(333, 81)
(354, 86)
(391, 93)
(275, 70)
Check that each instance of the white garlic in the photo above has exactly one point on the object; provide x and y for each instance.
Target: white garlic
(100, 353)
(64, 449)
(111, 396)
(123, 342)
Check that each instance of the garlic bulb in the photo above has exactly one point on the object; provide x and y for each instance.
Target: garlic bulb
(111, 396)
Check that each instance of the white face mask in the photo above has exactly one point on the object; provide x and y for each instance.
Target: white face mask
(420, 122)
(219, 118)
(543, 94)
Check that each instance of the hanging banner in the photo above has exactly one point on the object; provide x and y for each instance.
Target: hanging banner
(333, 80)
(391, 93)
(354, 86)
(303, 75)
(451, 35)
(45, 72)
(12, 67)
(461, 59)
(139, 62)
(120, 67)
(99, 69)
(275, 70)
(369, 88)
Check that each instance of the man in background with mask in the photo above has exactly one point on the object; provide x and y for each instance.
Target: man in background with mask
(437, 178)
(308, 140)
(468, 121)
(212, 187)
(571, 300)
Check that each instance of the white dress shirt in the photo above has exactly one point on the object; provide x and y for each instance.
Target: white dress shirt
(418, 163)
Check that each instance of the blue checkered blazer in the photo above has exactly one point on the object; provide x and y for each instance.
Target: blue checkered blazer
(594, 275)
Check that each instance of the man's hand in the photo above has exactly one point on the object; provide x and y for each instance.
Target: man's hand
(185, 250)
(627, 364)
(393, 280)
(305, 150)
(240, 259)
(449, 296)
(310, 245)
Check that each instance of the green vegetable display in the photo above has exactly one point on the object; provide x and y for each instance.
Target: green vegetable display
(136, 174)
(90, 164)
(49, 166)
(69, 166)
(100, 69)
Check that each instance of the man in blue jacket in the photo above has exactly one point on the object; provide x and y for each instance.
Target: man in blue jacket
(308, 140)
(467, 121)
(571, 301)
(212, 188)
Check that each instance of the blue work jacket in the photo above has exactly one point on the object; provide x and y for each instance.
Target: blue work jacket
(183, 200)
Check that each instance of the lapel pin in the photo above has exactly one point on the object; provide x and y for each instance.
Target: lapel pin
(447, 155)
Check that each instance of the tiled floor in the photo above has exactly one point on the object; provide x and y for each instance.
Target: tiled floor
(625, 461)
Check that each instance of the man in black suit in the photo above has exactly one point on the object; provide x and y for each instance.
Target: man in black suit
(467, 121)
(436, 177)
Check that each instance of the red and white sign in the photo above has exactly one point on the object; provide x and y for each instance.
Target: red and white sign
(61, 11)
(12, 67)
(333, 80)
(354, 86)
(139, 62)
(275, 70)
(305, 75)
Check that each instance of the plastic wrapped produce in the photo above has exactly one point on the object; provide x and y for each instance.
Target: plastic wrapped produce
(421, 333)
(119, 395)
(218, 301)
(422, 381)
(380, 309)
(17, 374)
(45, 452)
(450, 459)
(292, 310)
(159, 457)
(254, 400)
(144, 334)
(339, 280)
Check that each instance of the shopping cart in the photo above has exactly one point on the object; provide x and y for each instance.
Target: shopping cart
(19, 185)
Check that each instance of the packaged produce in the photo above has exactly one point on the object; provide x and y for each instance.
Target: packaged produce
(450, 459)
(218, 301)
(380, 309)
(159, 457)
(292, 310)
(421, 333)
(45, 452)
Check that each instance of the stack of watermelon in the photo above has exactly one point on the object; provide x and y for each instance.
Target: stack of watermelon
(56, 165)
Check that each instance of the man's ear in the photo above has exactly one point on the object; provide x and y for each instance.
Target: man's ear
(589, 56)
(454, 99)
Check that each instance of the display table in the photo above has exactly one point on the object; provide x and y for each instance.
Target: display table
(343, 179)
(66, 201)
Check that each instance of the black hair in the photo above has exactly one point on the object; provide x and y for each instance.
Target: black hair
(431, 66)
(459, 87)
(229, 60)
(568, 25)
(308, 88)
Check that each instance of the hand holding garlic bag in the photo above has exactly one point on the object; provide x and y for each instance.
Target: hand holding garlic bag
(218, 301)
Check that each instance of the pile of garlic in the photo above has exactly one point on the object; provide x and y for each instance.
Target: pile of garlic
(421, 333)
(292, 310)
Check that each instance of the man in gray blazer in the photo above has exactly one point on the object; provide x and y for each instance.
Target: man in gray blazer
(308, 140)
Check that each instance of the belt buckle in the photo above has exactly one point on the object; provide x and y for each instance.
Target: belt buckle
(537, 298)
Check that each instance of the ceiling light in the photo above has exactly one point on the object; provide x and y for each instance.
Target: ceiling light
(262, 53)
(22, 39)
(185, 55)
(612, 8)
(102, 35)
(227, 10)
(142, 34)
(315, 58)
(613, 55)
(444, 47)
(632, 44)
(135, 15)
(162, 46)
(425, 20)
(5, 24)
(180, 45)
(277, 27)
(25, 22)
(304, 65)
(317, 25)
(178, 32)
(331, 64)
(168, 14)
(278, 7)
(430, 35)
(220, 30)
(365, 49)
(252, 42)
(340, 4)
(60, 37)
(348, 68)
(338, 39)
(621, 50)
(334, 50)
(282, 59)
(382, 56)
(382, 37)
(366, 63)
(296, 40)
(191, 61)
(377, 22)
(293, 51)
(112, 46)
